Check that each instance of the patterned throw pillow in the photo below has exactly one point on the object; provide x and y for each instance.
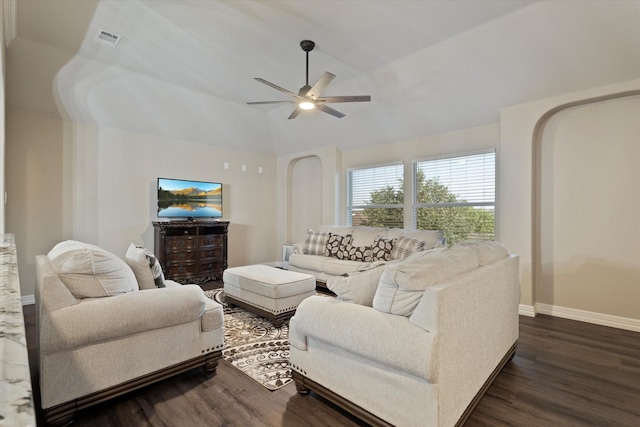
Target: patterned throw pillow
(405, 246)
(315, 243)
(156, 268)
(332, 248)
(356, 253)
(381, 249)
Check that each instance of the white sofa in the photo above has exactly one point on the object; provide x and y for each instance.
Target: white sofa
(323, 265)
(438, 328)
(105, 328)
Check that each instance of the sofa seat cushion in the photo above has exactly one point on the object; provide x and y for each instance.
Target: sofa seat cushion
(91, 272)
(307, 262)
(402, 285)
(338, 267)
(377, 339)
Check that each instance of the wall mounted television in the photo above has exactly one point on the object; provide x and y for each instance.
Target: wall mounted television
(182, 199)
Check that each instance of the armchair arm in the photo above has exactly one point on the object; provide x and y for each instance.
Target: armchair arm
(380, 337)
(108, 318)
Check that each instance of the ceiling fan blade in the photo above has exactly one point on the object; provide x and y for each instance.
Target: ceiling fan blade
(329, 110)
(281, 89)
(295, 113)
(270, 102)
(353, 98)
(319, 86)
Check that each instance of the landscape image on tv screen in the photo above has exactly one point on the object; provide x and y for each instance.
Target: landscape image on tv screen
(179, 198)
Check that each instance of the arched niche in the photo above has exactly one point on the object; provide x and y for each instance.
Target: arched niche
(538, 227)
(304, 190)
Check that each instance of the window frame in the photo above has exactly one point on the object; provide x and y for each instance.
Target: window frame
(415, 205)
(350, 207)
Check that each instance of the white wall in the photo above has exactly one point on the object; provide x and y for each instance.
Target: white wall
(307, 206)
(590, 209)
(34, 171)
(71, 181)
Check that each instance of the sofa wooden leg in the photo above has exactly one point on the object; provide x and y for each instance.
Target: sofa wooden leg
(299, 380)
(211, 365)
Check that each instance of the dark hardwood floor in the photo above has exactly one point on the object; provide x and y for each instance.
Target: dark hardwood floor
(565, 373)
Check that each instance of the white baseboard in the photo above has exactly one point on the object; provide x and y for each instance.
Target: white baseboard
(626, 323)
(28, 299)
(527, 310)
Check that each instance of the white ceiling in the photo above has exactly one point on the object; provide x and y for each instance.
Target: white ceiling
(185, 69)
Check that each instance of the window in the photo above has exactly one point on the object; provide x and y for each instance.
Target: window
(456, 195)
(375, 196)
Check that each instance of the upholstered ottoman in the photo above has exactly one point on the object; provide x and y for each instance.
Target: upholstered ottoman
(267, 291)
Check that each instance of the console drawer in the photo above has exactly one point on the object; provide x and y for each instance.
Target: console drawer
(181, 270)
(211, 240)
(211, 253)
(178, 243)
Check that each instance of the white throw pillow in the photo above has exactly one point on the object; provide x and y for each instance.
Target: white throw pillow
(145, 266)
(358, 287)
(402, 285)
(91, 272)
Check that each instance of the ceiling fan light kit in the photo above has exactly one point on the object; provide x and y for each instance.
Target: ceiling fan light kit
(309, 97)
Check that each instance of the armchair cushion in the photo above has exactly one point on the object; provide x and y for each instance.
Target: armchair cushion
(91, 272)
(123, 315)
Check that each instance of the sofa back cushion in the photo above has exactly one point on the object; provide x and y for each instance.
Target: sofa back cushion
(487, 251)
(402, 285)
(364, 236)
(91, 272)
(341, 230)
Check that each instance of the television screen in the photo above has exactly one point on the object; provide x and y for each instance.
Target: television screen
(178, 198)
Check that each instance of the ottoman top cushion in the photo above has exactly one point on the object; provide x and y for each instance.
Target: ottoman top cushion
(269, 281)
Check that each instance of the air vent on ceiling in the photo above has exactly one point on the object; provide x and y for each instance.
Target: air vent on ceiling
(107, 38)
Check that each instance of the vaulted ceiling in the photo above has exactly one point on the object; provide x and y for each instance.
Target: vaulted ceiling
(184, 69)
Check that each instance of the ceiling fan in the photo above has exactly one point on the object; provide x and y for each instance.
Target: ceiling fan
(308, 97)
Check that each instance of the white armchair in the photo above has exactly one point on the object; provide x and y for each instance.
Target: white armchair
(100, 336)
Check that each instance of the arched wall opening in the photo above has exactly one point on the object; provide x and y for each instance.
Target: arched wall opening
(585, 229)
(304, 196)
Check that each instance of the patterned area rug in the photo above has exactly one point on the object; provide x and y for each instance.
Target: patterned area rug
(254, 346)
